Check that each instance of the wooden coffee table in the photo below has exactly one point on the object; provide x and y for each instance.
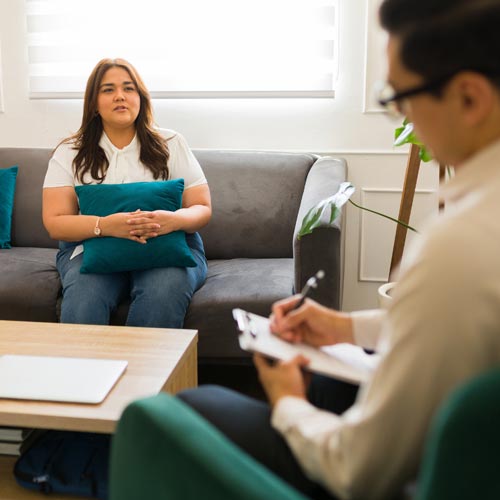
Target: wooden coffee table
(158, 360)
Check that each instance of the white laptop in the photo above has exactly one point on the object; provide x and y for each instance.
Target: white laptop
(63, 379)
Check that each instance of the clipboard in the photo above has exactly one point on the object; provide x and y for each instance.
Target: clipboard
(345, 362)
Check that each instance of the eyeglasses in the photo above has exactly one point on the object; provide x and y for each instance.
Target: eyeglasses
(392, 100)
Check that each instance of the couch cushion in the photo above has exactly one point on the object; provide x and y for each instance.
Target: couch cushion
(27, 226)
(29, 284)
(255, 199)
(110, 255)
(251, 284)
(7, 191)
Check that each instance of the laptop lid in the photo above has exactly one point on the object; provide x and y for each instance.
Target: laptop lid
(62, 379)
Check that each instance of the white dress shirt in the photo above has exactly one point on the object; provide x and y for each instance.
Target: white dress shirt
(125, 165)
(442, 328)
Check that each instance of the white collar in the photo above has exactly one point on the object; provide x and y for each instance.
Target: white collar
(111, 149)
(478, 171)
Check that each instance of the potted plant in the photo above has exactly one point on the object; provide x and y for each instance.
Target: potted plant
(327, 210)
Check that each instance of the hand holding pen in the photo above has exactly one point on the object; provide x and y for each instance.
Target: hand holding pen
(244, 319)
(287, 321)
(311, 284)
(312, 324)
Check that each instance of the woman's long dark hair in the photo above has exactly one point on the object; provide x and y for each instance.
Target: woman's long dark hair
(91, 157)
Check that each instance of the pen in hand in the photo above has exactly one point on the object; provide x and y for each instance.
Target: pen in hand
(311, 283)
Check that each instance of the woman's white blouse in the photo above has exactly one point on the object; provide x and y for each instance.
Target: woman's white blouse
(125, 165)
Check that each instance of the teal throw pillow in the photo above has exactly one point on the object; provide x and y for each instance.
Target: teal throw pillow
(110, 255)
(7, 190)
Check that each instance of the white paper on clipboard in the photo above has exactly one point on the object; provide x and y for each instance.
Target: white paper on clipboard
(342, 361)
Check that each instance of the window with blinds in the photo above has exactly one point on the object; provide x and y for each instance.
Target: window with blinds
(187, 48)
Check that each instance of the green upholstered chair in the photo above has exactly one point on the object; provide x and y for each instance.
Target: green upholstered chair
(164, 450)
(462, 456)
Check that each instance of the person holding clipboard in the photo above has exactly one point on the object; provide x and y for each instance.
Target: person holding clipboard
(443, 326)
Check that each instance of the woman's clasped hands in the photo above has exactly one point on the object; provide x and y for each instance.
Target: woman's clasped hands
(140, 225)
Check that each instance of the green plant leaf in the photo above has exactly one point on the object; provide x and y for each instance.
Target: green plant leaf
(397, 221)
(327, 210)
(406, 135)
(397, 132)
(424, 155)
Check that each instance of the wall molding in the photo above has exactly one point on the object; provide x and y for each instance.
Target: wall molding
(371, 152)
(403, 151)
(367, 246)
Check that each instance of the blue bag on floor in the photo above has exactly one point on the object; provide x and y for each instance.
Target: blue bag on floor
(66, 462)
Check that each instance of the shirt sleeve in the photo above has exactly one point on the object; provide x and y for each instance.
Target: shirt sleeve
(367, 326)
(60, 169)
(182, 162)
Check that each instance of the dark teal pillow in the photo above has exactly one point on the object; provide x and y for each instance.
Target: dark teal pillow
(110, 255)
(7, 190)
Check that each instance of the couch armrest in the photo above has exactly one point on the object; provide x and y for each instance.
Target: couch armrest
(163, 449)
(322, 249)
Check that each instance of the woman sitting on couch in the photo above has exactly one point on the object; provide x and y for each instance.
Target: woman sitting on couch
(118, 156)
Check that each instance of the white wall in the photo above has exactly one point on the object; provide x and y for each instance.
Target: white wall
(345, 126)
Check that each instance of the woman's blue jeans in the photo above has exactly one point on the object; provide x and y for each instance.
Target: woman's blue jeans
(159, 297)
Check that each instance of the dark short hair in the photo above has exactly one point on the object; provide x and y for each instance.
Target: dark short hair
(441, 37)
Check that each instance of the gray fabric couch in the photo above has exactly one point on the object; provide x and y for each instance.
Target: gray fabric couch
(254, 256)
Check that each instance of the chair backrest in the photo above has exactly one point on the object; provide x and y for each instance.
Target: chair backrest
(163, 449)
(461, 459)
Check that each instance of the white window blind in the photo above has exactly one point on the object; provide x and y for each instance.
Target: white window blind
(187, 48)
